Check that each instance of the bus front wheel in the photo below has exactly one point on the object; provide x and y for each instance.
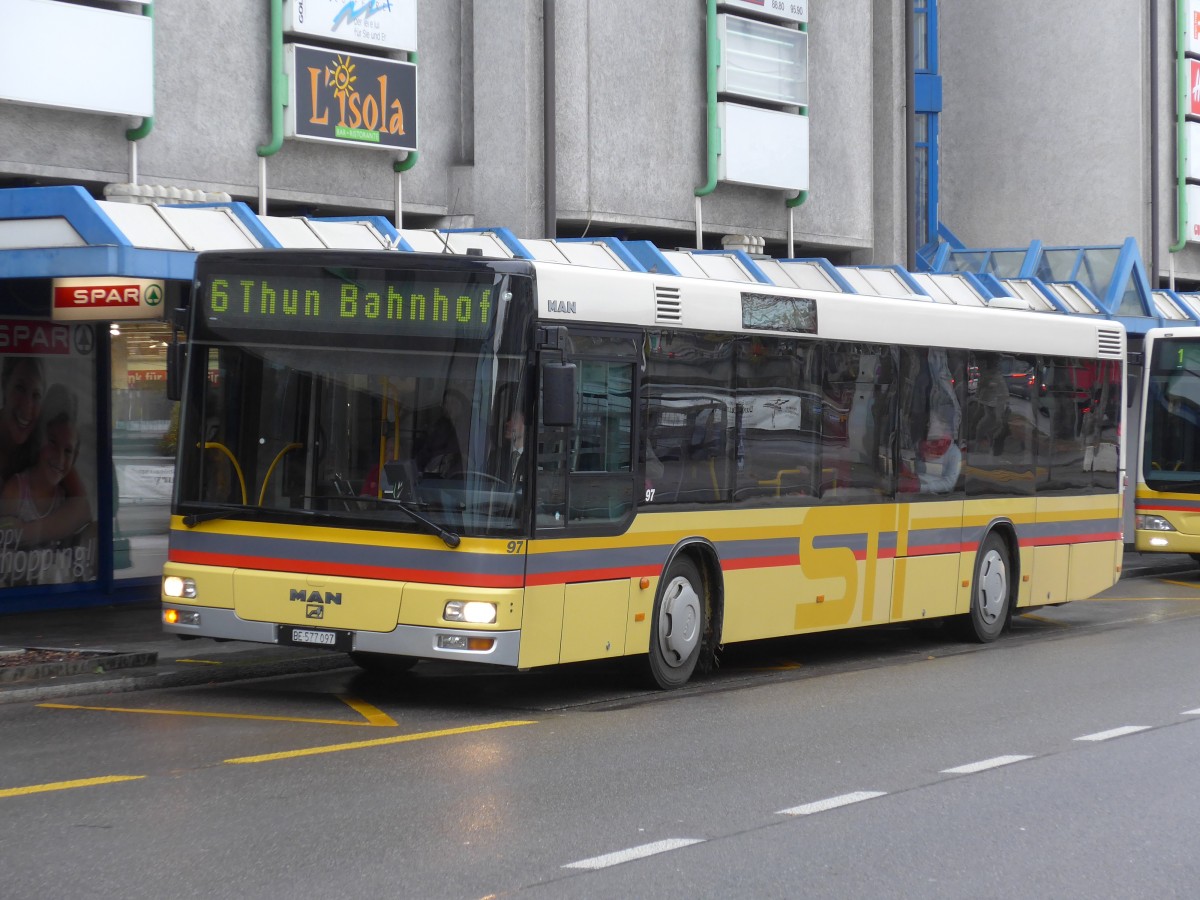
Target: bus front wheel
(991, 592)
(677, 626)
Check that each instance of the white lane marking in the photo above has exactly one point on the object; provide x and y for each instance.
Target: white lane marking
(1114, 733)
(808, 809)
(1192, 712)
(984, 764)
(622, 856)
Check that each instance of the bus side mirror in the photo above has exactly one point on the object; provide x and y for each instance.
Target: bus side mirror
(176, 357)
(558, 394)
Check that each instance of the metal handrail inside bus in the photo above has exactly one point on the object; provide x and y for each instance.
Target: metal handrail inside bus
(217, 445)
(262, 494)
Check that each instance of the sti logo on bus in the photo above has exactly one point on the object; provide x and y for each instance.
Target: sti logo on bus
(303, 595)
(561, 306)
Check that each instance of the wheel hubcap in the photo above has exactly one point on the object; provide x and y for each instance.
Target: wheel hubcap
(993, 586)
(678, 621)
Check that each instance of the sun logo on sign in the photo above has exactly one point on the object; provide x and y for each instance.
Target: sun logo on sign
(341, 77)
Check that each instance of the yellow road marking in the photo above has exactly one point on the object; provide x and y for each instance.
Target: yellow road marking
(367, 711)
(373, 717)
(781, 667)
(66, 785)
(379, 742)
(201, 662)
(1189, 584)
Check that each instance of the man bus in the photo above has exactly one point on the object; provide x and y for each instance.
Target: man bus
(705, 462)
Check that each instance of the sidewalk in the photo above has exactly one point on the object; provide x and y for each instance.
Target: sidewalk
(139, 656)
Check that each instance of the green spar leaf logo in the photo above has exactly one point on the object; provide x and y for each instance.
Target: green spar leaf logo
(153, 295)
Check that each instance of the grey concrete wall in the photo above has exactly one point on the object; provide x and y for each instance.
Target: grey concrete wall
(632, 138)
(1044, 123)
(630, 121)
(889, 244)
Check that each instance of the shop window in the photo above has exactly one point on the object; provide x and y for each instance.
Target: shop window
(144, 430)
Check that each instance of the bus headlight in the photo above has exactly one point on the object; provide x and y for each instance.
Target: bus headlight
(179, 588)
(1152, 523)
(475, 612)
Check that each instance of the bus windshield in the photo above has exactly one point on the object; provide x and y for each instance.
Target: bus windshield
(1171, 457)
(333, 424)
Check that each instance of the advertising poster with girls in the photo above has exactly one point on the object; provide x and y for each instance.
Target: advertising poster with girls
(47, 453)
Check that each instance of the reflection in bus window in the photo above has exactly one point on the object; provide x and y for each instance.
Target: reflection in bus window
(778, 420)
(858, 397)
(930, 431)
(1078, 411)
(1002, 433)
(690, 417)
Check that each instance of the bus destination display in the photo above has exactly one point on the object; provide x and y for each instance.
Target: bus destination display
(328, 302)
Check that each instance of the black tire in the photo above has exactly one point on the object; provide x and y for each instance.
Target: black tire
(991, 592)
(382, 665)
(677, 626)
(1195, 556)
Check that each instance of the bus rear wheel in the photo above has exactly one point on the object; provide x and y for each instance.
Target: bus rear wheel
(382, 665)
(991, 592)
(677, 626)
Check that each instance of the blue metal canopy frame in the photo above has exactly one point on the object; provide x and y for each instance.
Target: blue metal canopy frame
(109, 251)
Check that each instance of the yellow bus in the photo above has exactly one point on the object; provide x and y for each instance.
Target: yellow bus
(409, 456)
(1167, 492)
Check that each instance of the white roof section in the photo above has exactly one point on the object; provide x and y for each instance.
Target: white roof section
(808, 275)
(878, 282)
(1166, 307)
(1074, 299)
(358, 235)
(292, 231)
(26, 234)
(1027, 291)
(484, 241)
(215, 228)
(423, 240)
(945, 288)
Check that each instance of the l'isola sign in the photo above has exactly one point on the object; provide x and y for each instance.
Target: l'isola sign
(350, 98)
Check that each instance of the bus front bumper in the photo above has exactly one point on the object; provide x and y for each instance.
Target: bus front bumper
(503, 647)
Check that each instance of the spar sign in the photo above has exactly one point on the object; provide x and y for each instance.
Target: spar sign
(105, 299)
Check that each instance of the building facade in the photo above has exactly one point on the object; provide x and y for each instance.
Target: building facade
(552, 118)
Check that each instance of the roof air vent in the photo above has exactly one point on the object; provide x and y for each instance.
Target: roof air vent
(668, 305)
(1109, 340)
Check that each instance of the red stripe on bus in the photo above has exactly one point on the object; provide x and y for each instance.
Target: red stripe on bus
(1172, 507)
(383, 573)
(576, 576)
(936, 549)
(1098, 537)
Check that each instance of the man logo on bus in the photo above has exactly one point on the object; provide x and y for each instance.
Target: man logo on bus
(303, 595)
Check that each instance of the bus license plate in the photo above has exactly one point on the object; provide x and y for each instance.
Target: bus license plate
(311, 637)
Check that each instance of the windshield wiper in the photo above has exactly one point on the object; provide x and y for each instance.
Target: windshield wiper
(229, 512)
(448, 537)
